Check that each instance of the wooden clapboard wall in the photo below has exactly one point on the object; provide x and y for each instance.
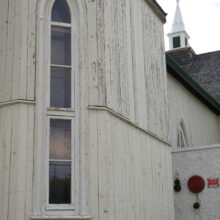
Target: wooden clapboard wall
(17, 50)
(17, 88)
(202, 125)
(16, 161)
(127, 62)
(129, 169)
(125, 169)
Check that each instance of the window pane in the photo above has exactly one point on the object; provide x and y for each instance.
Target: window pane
(176, 42)
(60, 183)
(61, 12)
(60, 87)
(60, 45)
(60, 139)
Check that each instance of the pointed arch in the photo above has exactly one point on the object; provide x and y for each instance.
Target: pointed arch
(182, 135)
(61, 12)
(58, 38)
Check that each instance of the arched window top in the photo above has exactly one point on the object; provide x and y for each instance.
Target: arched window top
(61, 12)
(182, 138)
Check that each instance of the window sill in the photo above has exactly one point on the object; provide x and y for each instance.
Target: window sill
(60, 218)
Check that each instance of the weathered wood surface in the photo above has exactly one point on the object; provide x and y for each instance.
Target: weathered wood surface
(123, 173)
(17, 49)
(16, 161)
(202, 125)
(130, 171)
(17, 83)
(127, 63)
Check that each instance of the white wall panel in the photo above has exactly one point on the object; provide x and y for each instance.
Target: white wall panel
(133, 171)
(201, 123)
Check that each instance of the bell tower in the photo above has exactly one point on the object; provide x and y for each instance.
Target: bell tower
(178, 37)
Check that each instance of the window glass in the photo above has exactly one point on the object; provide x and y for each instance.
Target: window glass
(60, 139)
(61, 12)
(61, 45)
(60, 162)
(60, 87)
(60, 183)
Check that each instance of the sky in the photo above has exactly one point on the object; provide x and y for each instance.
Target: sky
(202, 22)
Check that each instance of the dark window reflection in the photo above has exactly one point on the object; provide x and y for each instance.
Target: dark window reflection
(61, 12)
(60, 183)
(60, 87)
(61, 46)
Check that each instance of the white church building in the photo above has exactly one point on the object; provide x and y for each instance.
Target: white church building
(96, 121)
(194, 128)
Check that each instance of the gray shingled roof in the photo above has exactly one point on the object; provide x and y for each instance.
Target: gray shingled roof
(203, 68)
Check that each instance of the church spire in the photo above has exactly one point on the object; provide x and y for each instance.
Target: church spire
(178, 37)
(178, 24)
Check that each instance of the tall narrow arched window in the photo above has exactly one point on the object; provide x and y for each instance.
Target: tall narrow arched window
(182, 136)
(61, 109)
(60, 83)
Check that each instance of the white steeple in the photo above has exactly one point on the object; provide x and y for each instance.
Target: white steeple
(178, 24)
(178, 37)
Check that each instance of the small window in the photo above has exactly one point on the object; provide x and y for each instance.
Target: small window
(176, 42)
(182, 136)
(186, 42)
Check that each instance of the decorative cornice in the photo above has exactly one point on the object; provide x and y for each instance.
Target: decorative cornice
(126, 120)
(17, 101)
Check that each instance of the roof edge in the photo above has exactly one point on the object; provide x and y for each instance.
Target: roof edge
(157, 10)
(177, 72)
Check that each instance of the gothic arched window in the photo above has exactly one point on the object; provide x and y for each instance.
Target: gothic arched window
(182, 136)
(61, 109)
(60, 79)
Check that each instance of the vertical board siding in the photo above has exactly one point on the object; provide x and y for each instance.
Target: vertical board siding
(133, 171)
(130, 66)
(17, 49)
(201, 124)
(16, 134)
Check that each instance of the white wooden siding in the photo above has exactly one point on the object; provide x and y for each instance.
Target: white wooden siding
(129, 171)
(201, 123)
(124, 172)
(128, 64)
(16, 161)
(17, 49)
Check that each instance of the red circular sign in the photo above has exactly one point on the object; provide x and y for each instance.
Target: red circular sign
(196, 184)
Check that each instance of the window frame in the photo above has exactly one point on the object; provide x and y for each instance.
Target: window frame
(71, 26)
(61, 206)
(174, 41)
(61, 112)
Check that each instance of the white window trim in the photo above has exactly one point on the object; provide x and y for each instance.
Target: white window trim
(41, 204)
(61, 206)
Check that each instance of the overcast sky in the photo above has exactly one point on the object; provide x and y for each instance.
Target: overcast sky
(202, 22)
